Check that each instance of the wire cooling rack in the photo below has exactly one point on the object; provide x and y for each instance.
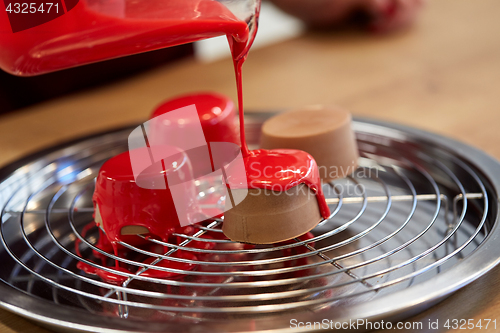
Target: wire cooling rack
(413, 224)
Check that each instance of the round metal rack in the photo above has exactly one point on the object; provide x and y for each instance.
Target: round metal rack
(414, 223)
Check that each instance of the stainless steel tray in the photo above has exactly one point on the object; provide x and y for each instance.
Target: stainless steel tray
(416, 222)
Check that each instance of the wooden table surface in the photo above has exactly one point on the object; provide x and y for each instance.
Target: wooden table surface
(442, 76)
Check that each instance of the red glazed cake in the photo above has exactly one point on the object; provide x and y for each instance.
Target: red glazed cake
(152, 189)
(124, 209)
(284, 198)
(216, 113)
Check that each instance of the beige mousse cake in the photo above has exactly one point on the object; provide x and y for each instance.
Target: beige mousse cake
(323, 132)
(266, 216)
(282, 198)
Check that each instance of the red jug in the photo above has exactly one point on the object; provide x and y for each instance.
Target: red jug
(43, 36)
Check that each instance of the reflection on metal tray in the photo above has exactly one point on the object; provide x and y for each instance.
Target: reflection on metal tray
(411, 226)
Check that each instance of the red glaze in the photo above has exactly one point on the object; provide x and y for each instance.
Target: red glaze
(292, 251)
(238, 64)
(154, 273)
(216, 113)
(123, 203)
(94, 31)
(282, 170)
(199, 244)
(117, 279)
(109, 277)
(296, 250)
(299, 249)
(104, 244)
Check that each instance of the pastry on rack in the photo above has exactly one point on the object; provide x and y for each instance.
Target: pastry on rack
(215, 112)
(323, 132)
(284, 198)
(150, 189)
(153, 190)
(126, 205)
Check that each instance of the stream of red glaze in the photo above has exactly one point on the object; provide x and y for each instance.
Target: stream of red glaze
(238, 64)
(278, 159)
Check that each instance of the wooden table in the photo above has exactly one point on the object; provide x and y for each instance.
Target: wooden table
(442, 76)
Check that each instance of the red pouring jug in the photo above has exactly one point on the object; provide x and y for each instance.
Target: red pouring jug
(40, 36)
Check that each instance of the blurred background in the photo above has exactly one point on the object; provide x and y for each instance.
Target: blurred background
(275, 25)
